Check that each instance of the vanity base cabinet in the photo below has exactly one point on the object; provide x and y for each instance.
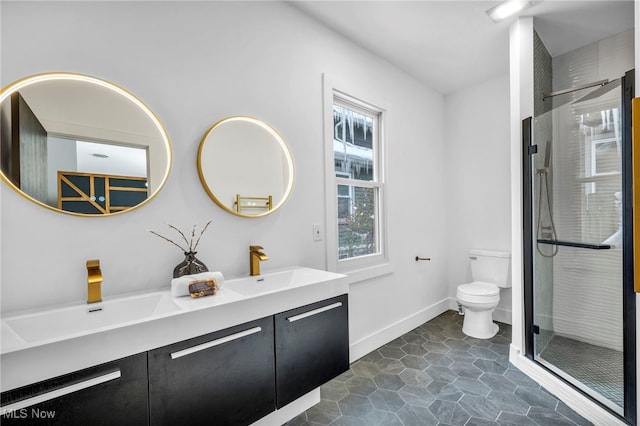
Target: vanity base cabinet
(312, 347)
(114, 393)
(222, 378)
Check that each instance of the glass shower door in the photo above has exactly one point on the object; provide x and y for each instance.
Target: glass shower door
(577, 185)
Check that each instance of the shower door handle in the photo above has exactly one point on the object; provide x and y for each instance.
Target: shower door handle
(635, 148)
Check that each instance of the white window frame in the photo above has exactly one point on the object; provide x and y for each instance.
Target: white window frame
(367, 266)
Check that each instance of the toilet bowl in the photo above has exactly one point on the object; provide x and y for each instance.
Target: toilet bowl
(478, 299)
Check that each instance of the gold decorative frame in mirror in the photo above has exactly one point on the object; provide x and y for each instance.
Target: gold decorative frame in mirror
(245, 166)
(76, 116)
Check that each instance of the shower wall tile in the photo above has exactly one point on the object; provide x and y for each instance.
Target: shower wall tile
(586, 285)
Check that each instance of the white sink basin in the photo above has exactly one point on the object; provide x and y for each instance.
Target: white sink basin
(276, 281)
(84, 318)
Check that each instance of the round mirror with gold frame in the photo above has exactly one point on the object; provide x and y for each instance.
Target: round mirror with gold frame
(245, 166)
(81, 145)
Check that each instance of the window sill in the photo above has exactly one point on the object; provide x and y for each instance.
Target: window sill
(367, 273)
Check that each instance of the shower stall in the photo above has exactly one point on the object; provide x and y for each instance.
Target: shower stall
(580, 307)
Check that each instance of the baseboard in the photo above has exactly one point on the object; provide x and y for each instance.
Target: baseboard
(381, 337)
(567, 394)
(291, 410)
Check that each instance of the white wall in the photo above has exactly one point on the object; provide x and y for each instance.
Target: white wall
(478, 179)
(194, 63)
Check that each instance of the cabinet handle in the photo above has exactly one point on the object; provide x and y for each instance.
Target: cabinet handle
(314, 312)
(60, 392)
(216, 342)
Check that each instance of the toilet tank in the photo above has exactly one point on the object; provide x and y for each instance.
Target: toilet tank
(492, 266)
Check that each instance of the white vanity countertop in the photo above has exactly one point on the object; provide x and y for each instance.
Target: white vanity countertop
(41, 356)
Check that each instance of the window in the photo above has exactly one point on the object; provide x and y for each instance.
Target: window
(356, 185)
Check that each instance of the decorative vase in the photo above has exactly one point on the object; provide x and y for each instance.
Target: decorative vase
(190, 265)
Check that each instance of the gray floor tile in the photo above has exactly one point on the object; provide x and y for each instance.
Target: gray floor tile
(361, 386)
(443, 410)
(387, 381)
(393, 352)
(415, 377)
(498, 382)
(435, 375)
(416, 395)
(474, 421)
(333, 391)
(391, 419)
(507, 401)
(414, 349)
(438, 359)
(441, 373)
(511, 419)
(364, 369)
(355, 405)
(413, 415)
(536, 397)
(465, 369)
(490, 366)
(480, 407)
(386, 400)
(472, 386)
(324, 412)
(548, 417)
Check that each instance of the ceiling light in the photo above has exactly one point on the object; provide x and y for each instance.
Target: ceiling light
(507, 8)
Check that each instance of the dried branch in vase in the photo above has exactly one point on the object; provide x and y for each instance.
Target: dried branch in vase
(189, 243)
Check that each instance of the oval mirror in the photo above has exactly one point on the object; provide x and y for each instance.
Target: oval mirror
(80, 145)
(245, 166)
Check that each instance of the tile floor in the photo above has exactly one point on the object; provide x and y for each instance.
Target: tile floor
(601, 369)
(436, 375)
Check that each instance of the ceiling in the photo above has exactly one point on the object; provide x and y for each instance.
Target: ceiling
(450, 44)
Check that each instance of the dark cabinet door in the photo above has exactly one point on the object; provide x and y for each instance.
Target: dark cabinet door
(222, 378)
(114, 393)
(312, 347)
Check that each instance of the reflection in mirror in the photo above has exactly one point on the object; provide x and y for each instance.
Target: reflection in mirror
(245, 166)
(80, 145)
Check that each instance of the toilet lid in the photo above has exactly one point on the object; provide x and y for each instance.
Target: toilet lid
(479, 288)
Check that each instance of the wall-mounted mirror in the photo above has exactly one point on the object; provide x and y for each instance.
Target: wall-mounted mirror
(245, 166)
(80, 145)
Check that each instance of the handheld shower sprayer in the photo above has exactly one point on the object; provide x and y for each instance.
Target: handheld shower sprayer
(545, 232)
(547, 159)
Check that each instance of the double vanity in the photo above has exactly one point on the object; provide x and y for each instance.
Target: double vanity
(252, 353)
(259, 344)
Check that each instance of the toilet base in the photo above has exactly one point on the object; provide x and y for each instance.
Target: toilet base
(479, 324)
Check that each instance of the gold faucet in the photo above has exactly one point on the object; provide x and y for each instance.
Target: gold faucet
(255, 256)
(94, 281)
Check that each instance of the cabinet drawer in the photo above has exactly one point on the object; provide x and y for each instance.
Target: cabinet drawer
(222, 378)
(107, 394)
(312, 347)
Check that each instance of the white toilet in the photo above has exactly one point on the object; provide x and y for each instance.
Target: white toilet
(490, 270)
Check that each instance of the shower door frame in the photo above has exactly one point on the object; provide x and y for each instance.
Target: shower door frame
(628, 293)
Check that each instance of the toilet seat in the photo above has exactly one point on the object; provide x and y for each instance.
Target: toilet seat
(478, 292)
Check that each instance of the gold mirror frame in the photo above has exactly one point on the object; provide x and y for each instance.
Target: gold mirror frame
(204, 162)
(14, 87)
